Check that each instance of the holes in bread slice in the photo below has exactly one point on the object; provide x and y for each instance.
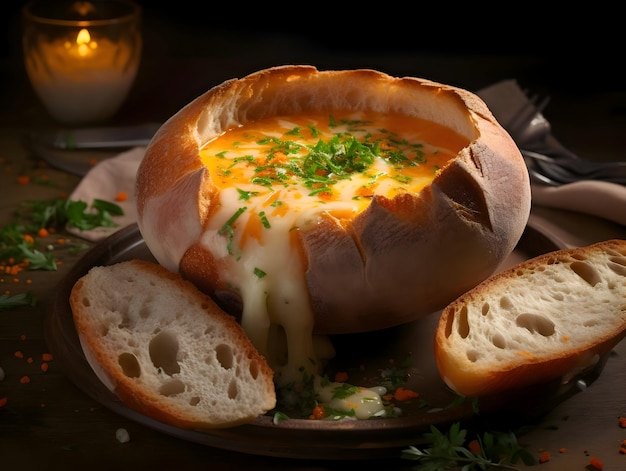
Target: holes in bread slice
(129, 364)
(172, 388)
(536, 324)
(224, 354)
(587, 272)
(233, 389)
(163, 350)
(254, 369)
(462, 325)
(618, 265)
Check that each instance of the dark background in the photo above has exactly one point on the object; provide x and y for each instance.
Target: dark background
(571, 51)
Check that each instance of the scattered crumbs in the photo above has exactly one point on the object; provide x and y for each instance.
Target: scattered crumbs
(19, 354)
(25, 379)
(544, 457)
(122, 435)
(596, 463)
(121, 196)
(562, 450)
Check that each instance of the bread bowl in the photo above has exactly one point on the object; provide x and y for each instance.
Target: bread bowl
(367, 264)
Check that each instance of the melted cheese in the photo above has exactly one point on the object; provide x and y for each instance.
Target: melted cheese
(281, 174)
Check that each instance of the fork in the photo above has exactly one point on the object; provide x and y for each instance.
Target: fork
(552, 163)
(561, 170)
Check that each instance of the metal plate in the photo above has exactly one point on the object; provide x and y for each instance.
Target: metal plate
(361, 355)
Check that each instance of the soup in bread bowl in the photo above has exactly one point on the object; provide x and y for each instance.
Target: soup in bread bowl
(310, 203)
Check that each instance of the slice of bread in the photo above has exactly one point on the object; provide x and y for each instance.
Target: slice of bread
(546, 318)
(167, 350)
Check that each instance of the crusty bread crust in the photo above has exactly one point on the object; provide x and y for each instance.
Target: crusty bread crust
(546, 318)
(167, 350)
(398, 260)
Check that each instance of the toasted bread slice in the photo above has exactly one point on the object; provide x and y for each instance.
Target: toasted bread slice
(545, 318)
(167, 350)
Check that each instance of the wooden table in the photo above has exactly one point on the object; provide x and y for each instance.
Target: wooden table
(49, 423)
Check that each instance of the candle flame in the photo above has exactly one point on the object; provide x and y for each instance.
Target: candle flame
(84, 43)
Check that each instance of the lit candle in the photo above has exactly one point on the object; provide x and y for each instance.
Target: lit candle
(83, 76)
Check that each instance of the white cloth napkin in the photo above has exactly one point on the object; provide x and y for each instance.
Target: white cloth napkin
(507, 100)
(105, 181)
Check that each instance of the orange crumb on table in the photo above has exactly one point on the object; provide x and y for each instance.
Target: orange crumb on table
(46, 356)
(44, 367)
(23, 179)
(562, 450)
(596, 462)
(3, 402)
(544, 457)
(622, 422)
(18, 354)
(121, 196)
(25, 379)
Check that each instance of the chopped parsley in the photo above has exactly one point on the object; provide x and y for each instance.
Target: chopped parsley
(21, 244)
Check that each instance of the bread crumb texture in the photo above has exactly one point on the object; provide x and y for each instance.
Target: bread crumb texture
(167, 349)
(563, 304)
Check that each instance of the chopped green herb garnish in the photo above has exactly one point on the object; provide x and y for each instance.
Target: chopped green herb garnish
(264, 220)
(18, 300)
(496, 450)
(227, 228)
(19, 240)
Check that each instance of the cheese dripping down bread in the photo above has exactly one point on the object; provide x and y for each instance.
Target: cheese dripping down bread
(310, 203)
(546, 318)
(167, 350)
(277, 175)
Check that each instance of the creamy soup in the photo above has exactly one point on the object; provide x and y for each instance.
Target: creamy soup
(282, 174)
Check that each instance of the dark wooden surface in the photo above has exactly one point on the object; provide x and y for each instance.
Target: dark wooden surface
(50, 424)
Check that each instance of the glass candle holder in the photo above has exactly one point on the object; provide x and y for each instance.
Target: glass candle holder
(82, 57)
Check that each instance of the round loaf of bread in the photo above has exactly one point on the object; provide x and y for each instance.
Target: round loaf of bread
(388, 262)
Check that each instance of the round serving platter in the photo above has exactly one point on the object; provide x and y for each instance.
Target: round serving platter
(361, 355)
